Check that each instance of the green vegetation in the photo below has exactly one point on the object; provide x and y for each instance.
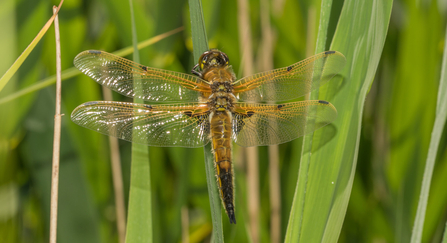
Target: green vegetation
(360, 178)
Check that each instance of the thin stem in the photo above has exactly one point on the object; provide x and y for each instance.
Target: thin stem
(185, 224)
(441, 116)
(266, 63)
(117, 179)
(252, 152)
(57, 136)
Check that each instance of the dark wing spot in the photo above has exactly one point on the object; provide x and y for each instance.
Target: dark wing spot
(329, 52)
(200, 119)
(237, 126)
(289, 68)
(143, 67)
(323, 102)
(91, 103)
(203, 121)
(94, 52)
(280, 106)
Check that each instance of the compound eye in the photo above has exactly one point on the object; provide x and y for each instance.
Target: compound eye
(202, 61)
(203, 58)
(225, 58)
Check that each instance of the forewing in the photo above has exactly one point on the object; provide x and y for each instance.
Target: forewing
(290, 82)
(181, 125)
(150, 84)
(262, 124)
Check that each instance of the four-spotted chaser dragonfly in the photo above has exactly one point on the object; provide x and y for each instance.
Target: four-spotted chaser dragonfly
(215, 110)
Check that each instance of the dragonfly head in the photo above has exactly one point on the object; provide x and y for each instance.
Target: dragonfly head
(213, 58)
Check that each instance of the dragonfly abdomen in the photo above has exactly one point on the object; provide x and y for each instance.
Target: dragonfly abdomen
(220, 124)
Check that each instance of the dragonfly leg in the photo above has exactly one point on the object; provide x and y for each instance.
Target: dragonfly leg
(193, 71)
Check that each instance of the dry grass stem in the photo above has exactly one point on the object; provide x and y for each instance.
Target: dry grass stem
(275, 195)
(185, 225)
(57, 137)
(265, 62)
(252, 153)
(310, 39)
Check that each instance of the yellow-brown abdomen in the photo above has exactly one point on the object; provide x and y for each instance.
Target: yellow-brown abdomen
(220, 124)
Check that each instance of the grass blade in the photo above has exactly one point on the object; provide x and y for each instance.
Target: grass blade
(72, 72)
(13, 69)
(139, 221)
(198, 30)
(441, 115)
(200, 45)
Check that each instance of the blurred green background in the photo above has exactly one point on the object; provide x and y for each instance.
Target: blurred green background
(397, 122)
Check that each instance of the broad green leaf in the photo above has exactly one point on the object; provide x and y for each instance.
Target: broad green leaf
(299, 197)
(320, 204)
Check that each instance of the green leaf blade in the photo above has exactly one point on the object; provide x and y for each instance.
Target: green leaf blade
(139, 223)
(295, 220)
(441, 115)
(360, 36)
(15, 66)
(200, 45)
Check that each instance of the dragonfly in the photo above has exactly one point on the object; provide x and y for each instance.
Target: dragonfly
(208, 105)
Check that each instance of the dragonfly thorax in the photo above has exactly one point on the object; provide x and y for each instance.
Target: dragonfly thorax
(218, 75)
(221, 101)
(221, 87)
(218, 86)
(221, 104)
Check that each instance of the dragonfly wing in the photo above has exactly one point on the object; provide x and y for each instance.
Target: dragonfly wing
(290, 82)
(264, 124)
(129, 78)
(181, 125)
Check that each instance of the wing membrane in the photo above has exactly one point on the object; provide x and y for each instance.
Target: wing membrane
(150, 84)
(290, 82)
(181, 125)
(262, 124)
